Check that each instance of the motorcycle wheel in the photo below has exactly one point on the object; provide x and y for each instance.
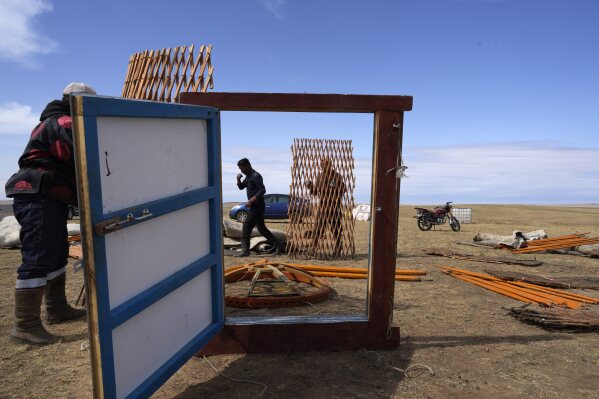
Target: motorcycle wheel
(455, 224)
(423, 224)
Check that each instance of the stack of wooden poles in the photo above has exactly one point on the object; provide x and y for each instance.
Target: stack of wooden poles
(355, 272)
(560, 242)
(522, 291)
(337, 271)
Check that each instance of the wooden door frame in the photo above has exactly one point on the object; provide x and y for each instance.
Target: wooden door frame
(297, 334)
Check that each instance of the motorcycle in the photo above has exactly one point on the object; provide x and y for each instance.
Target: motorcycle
(441, 214)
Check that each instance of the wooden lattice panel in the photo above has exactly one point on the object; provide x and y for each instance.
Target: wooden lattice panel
(322, 198)
(160, 75)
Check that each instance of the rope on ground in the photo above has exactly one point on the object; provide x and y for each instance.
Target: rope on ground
(381, 362)
(261, 395)
(412, 367)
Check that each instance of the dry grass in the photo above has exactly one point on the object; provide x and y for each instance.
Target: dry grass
(460, 330)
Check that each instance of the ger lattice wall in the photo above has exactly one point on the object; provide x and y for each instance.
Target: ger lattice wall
(315, 215)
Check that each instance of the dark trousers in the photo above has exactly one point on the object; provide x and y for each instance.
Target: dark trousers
(256, 219)
(44, 245)
(332, 221)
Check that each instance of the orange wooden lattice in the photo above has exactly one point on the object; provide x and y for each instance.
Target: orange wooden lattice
(160, 75)
(322, 198)
(76, 252)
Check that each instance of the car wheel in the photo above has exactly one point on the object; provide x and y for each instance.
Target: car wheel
(71, 213)
(241, 216)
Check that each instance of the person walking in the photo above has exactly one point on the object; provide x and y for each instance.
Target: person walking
(41, 190)
(255, 190)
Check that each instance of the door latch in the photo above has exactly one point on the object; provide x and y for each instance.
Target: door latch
(116, 223)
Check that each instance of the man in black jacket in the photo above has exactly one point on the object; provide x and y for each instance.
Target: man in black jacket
(255, 193)
(41, 190)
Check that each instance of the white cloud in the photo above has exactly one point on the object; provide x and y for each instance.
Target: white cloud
(273, 164)
(16, 118)
(502, 173)
(19, 37)
(16, 123)
(274, 7)
(10, 151)
(494, 173)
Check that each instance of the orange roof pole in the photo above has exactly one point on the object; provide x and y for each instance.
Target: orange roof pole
(349, 269)
(490, 288)
(576, 297)
(572, 304)
(469, 273)
(535, 295)
(504, 289)
(360, 275)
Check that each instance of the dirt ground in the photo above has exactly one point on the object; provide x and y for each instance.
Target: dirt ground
(460, 330)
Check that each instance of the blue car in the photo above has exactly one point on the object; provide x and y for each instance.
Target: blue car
(277, 207)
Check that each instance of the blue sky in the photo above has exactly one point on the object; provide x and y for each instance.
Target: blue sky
(506, 92)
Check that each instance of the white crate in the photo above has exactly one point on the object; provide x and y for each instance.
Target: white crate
(464, 215)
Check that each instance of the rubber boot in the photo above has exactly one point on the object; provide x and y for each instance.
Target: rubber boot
(57, 308)
(245, 248)
(28, 327)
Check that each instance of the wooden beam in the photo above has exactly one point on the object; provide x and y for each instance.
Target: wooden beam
(300, 337)
(378, 331)
(286, 102)
(388, 128)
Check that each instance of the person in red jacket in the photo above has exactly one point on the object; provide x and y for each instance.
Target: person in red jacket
(41, 190)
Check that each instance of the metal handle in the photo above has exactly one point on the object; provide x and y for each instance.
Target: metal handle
(108, 226)
(144, 214)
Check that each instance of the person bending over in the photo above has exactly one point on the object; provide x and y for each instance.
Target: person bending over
(329, 187)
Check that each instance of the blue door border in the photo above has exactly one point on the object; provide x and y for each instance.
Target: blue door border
(86, 109)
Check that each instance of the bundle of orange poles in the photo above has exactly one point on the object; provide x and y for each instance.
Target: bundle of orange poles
(561, 242)
(340, 272)
(74, 238)
(355, 272)
(521, 291)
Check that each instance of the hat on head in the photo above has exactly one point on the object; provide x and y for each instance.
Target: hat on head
(77, 87)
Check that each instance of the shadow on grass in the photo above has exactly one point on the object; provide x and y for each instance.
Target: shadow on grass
(448, 341)
(337, 304)
(306, 375)
(74, 337)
